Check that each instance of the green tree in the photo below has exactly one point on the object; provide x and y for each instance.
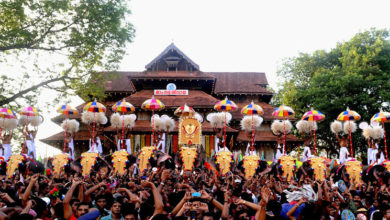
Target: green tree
(58, 45)
(354, 74)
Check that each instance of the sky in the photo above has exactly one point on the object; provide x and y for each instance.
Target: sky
(239, 35)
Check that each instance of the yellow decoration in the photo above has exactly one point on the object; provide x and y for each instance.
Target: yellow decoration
(59, 161)
(354, 169)
(224, 159)
(319, 166)
(88, 160)
(288, 166)
(190, 131)
(13, 164)
(146, 153)
(119, 159)
(251, 162)
(188, 155)
(386, 164)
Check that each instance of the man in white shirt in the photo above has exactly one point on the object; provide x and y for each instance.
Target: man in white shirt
(306, 150)
(96, 146)
(5, 150)
(343, 142)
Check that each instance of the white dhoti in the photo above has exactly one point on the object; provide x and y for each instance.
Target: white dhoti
(96, 147)
(31, 149)
(161, 144)
(127, 143)
(369, 156)
(71, 146)
(306, 154)
(343, 155)
(6, 151)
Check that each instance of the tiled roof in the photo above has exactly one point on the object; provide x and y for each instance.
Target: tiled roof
(240, 82)
(171, 75)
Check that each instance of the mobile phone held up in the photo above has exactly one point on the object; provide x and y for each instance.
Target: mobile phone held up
(195, 194)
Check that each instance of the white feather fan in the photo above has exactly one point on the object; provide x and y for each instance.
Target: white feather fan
(276, 127)
(367, 132)
(377, 133)
(24, 120)
(73, 125)
(336, 127)
(198, 117)
(168, 124)
(36, 120)
(303, 126)
(101, 118)
(246, 122)
(349, 125)
(87, 117)
(156, 122)
(115, 120)
(128, 121)
(10, 123)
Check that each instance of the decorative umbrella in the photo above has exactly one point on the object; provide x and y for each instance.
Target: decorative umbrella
(225, 105)
(283, 112)
(313, 115)
(252, 109)
(6, 113)
(383, 117)
(153, 104)
(123, 107)
(349, 115)
(94, 107)
(184, 111)
(28, 111)
(66, 110)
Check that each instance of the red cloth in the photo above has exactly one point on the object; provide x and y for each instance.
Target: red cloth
(212, 143)
(148, 141)
(175, 143)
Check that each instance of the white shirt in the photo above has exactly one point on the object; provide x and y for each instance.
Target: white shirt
(306, 151)
(127, 143)
(343, 158)
(96, 147)
(369, 156)
(278, 153)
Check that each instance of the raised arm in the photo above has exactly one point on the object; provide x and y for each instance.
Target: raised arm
(68, 197)
(158, 203)
(27, 193)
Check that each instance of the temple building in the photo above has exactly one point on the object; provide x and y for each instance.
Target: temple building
(175, 79)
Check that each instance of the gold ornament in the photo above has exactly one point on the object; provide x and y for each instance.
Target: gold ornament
(288, 166)
(224, 159)
(119, 159)
(88, 160)
(354, 169)
(251, 162)
(144, 156)
(319, 167)
(190, 132)
(13, 164)
(59, 161)
(386, 164)
(188, 155)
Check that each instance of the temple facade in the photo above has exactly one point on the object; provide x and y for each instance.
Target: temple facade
(175, 79)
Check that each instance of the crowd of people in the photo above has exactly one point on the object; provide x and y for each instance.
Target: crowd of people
(165, 191)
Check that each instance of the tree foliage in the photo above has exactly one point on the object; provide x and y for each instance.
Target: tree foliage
(58, 45)
(354, 74)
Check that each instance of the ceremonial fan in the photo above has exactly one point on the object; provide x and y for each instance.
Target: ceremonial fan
(153, 104)
(283, 112)
(94, 107)
(6, 114)
(313, 116)
(123, 107)
(383, 117)
(349, 115)
(252, 109)
(66, 110)
(225, 105)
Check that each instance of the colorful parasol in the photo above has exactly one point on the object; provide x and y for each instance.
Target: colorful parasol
(184, 111)
(153, 104)
(349, 115)
(67, 110)
(6, 113)
(314, 115)
(94, 107)
(225, 105)
(383, 117)
(29, 111)
(252, 109)
(283, 112)
(123, 107)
